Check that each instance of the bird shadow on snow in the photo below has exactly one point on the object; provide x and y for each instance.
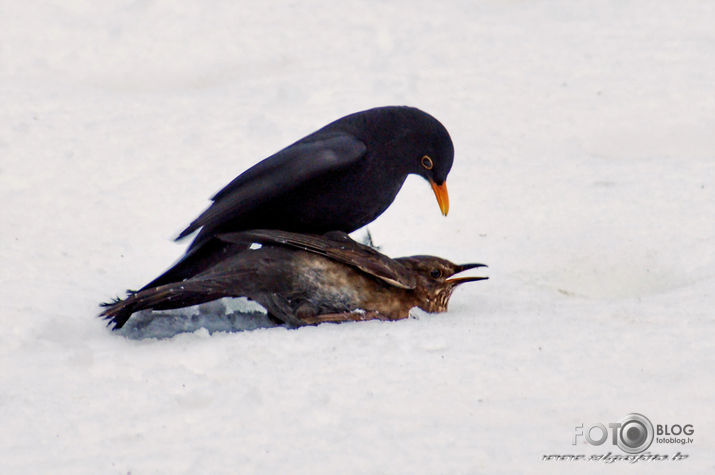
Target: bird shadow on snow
(224, 315)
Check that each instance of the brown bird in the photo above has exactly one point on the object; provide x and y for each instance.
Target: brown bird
(304, 279)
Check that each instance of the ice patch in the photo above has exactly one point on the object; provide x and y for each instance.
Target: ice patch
(224, 315)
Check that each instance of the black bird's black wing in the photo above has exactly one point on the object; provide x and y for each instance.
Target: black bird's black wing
(335, 245)
(278, 174)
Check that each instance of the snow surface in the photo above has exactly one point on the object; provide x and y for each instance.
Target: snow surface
(584, 176)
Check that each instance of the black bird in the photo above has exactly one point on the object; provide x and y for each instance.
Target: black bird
(306, 279)
(338, 178)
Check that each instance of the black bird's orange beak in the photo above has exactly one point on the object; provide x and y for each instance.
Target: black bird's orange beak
(440, 192)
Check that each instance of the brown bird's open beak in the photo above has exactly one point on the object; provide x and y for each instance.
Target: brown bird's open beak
(460, 280)
(440, 191)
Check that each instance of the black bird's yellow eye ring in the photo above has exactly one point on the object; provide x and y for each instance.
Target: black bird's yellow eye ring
(436, 273)
(427, 162)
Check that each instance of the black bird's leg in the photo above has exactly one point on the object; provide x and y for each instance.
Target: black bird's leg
(279, 307)
(274, 319)
(367, 240)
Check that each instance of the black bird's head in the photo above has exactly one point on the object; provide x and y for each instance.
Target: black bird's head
(433, 158)
(435, 281)
(429, 151)
(413, 142)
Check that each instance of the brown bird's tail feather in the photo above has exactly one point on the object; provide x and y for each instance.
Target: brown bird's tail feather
(164, 297)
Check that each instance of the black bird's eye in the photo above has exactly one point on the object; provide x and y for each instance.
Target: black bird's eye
(436, 273)
(427, 162)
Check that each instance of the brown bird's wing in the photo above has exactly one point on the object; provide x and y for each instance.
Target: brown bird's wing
(280, 173)
(337, 246)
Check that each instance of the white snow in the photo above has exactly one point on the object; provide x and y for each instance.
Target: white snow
(584, 176)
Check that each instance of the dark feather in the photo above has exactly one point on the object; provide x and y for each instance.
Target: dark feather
(279, 174)
(337, 246)
(171, 296)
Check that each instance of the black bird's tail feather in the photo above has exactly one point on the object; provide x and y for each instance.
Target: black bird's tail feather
(196, 260)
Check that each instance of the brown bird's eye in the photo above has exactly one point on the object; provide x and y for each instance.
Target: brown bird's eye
(436, 273)
(427, 162)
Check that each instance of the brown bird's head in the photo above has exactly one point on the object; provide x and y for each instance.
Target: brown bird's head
(435, 281)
